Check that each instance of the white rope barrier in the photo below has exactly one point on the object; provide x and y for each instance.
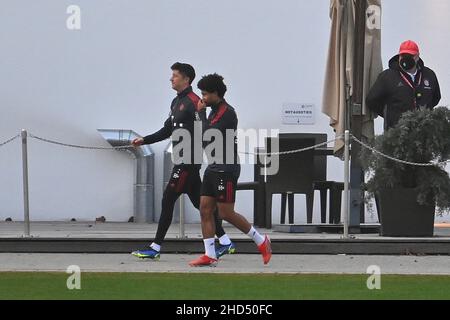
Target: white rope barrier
(399, 160)
(9, 140)
(292, 151)
(78, 146)
(131, 146)
(349, 138)
(127, 147)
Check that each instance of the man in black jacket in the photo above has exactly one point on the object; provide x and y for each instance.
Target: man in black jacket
(406, 86)
(185, 177)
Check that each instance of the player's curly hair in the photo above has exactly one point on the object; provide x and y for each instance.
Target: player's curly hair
(213, 83)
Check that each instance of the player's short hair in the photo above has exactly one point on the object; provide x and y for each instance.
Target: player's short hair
(185, 69)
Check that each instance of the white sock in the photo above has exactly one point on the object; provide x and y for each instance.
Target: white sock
(259, 239)
(155, 247)
(224, 240)
(210, 248)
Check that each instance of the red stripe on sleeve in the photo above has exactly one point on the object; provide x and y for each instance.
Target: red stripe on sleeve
(222, 109)
(194, 98)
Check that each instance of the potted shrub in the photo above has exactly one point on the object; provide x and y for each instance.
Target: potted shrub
(408, 195)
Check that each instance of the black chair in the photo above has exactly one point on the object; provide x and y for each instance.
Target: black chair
(320, 183)
(258, 199)
(259, 194)
(335, 189)
(295, 174)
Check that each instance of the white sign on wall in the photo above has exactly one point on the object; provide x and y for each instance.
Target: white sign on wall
(298, 113)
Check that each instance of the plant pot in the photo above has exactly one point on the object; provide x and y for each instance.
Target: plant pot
(401, 215)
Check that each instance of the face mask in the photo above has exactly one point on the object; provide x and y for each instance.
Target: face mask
(407, 62)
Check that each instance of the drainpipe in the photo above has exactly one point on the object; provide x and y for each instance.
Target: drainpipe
(144, 191)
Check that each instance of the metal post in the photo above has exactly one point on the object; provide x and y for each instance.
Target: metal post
(346, 183)
(26, 203)
(182, 231)
(356, 172)
(265, 168)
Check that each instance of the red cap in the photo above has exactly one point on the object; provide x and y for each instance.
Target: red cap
(409, 47)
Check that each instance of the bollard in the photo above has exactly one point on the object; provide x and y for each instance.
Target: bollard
(346, 182)
(26, 203)
(182, 234)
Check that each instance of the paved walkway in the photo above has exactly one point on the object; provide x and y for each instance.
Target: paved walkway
(116, 230)
(292, 264)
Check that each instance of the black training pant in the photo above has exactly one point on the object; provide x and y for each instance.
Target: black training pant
(183, 179)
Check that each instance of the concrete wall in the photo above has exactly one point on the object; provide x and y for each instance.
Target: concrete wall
(114, 73)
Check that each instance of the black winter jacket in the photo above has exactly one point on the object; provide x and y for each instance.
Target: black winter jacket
(394, 92)
(183, 115)
(223, 118)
